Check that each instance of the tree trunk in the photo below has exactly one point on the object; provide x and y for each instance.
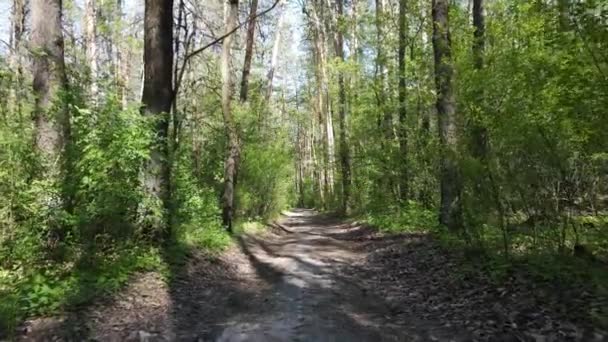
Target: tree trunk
(323, 101)
(402, 94)
(248, 50)
(16, 61)
(52, 126)
(344, 147)
(275, 53)
(231, 163)
(122, 59)
(156, 99)
(479, 132)
(381, 81)
(90, 42)
(450, 213)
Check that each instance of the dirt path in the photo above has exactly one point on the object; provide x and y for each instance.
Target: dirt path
(318, 278)
(312, 299)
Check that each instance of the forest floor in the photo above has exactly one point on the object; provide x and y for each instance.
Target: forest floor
(317, 278)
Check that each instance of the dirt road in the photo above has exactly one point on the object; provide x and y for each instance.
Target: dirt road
(312, 298)
(318, 278)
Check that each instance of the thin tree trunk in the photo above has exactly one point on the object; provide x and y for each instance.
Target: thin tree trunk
(381, 81)
(450, 212)
(479, 132)
(324, 109)
(275, 53)
(402, 93)
(344, 147)
(16, 61)
(175, 115)
(122, 59)
(156, 99)
(90, 42)
(248, 51)
(231, 163)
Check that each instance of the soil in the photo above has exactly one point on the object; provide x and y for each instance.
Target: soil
(317, 278)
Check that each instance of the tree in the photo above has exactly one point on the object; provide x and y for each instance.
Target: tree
(478, 131)
(450, 213)
(90, 42)
(402, 94)
(16, 62)
(248, 51)
(344, 148)
(156, 101)
(52, 125)
(275, 54)
(231, 163)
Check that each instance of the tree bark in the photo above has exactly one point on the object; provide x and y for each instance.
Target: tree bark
(122, 59)
(52, 126)
(90, 42)
(248, 51)
(231, 163)
(156, 99)
(381, 81)
(402, 94)
(344, 147)
(479, 132)
(450, 212)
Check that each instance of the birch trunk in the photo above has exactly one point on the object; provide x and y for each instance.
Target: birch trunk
(231, 163)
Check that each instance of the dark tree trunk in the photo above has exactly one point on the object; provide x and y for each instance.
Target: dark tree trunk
(156, 100)
(344, 147)
(402, 93)
(450, 211)
(479, 148)
(248, 50)
(52, 127)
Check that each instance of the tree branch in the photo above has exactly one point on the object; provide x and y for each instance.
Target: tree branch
(217, 40)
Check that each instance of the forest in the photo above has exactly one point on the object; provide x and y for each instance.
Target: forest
(176, 139)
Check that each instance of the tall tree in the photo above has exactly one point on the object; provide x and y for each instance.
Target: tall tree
(156, 100)
(479, 132)
(90, 39)
(275, 53)
(402, 94)
(450, 213)
(231, 164)
(52, 126)
(381, 80)
(16, 62)
(344, 148)
(248, 50)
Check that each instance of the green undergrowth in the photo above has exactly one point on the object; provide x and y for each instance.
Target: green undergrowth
(41, 291)
(58, 287)
(409, 218)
